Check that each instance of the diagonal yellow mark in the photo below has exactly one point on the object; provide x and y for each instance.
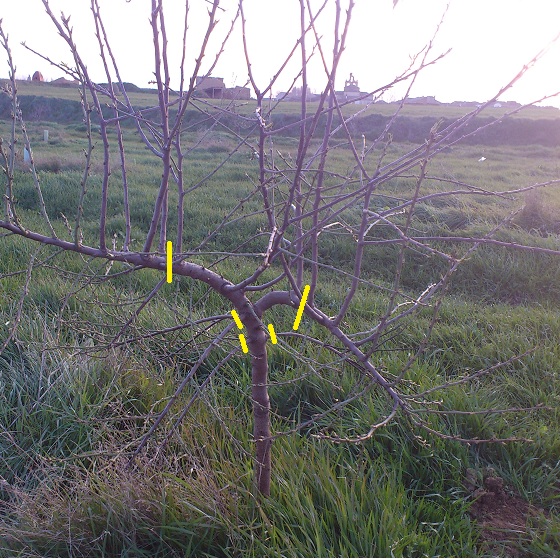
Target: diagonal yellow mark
(301, 306)
(243, 343)
(272, 333)
(237, 319)
(242, 339)
(169, 261)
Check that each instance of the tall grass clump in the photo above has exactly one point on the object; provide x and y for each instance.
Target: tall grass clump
(537, 215)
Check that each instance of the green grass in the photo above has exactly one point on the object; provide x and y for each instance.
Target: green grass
(68, 417)
(71, 413)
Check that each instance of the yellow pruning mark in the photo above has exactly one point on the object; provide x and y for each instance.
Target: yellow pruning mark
(272, 333)
(301, 306)
(243, 343)
(169, 261)
(240, 326)
(237, 319)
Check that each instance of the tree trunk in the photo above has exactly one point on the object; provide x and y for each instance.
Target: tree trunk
(261, 405)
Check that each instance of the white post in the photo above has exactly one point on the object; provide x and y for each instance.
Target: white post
(45, 135)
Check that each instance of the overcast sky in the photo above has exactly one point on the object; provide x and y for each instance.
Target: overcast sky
(490, 42)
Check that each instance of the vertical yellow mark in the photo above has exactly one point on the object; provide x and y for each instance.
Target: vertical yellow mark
(169, 261)
(272, 333)
(237, 319)
(243, 343)
(301, 306)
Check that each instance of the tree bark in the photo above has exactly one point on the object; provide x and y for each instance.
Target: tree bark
(256, 342)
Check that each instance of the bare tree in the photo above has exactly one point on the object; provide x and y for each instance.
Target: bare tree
(303, 204)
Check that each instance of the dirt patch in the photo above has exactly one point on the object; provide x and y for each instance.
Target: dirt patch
(502, 515)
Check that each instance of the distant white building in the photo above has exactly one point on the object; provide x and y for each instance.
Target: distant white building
(352, 92)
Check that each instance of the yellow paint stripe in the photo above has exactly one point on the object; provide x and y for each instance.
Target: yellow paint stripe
(169, 261)
(243, 343)
(237, 319)
(272, 333)
(301, 306)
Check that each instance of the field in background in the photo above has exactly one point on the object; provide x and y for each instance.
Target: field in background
(70, 413)
(147, 99)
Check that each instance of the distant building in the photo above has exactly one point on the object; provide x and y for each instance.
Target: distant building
(352, 92)
(351, 89)
(428, 100)
(295, 94)
(212, 88)
(37, 77)
(465, 104)
(496, 104)
(215, 88)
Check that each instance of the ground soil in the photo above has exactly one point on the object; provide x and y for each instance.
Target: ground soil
(503, 517)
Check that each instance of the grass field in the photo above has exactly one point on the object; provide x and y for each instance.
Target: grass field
(71, 414)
